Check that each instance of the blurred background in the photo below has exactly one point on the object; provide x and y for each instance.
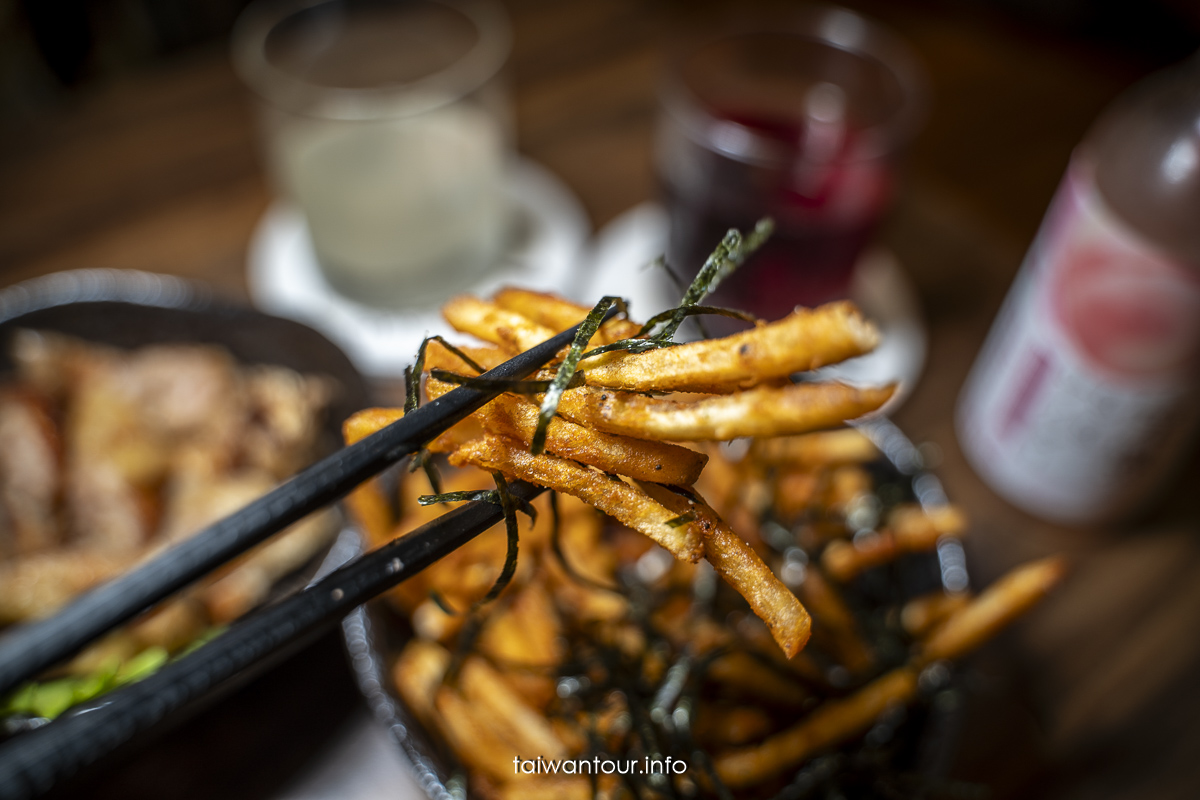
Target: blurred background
(127, 141)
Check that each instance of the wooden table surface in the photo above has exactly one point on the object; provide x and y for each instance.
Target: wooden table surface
(1094, 695)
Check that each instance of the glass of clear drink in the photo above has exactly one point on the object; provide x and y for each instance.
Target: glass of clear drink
(389, 126)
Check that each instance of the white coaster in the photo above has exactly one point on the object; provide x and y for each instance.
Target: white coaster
(285, 280)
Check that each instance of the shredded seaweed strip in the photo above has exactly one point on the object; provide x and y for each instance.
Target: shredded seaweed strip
(503, 384)
(733, 250)
(510, 524)
(443, 604)
(682, 519)
(412, 375)
(566, 370)
(486, 495)
(424, 461)
(556, 548)
(727, 257)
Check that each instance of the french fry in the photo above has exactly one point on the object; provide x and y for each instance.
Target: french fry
(744, 570)
(438, 356)
(997, 606)
(506, 712)
(922, 614)
(417, 675)
(517, 418)
(491, 323)
(832, 615)
(747, 676)
(764, 411)
(910, 530)
(478, 745)
(611, 495)
(558, 314)
(823, 449)
(806, 339)
(527, 633)
(829, 725)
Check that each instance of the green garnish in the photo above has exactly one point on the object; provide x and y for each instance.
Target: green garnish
(566, 370)
(682, 519)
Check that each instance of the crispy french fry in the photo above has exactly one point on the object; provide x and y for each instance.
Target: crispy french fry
(362, 424)
(527, 633)
(744, 570)
(832, 615)
(491, 323)
(997, 606)
(558, 314)
(478, 745)
(910, 530)
(764, 411)
(746, 676)
(517, 418)
(611, 495)
(731, 726)
(830, 724)
(438, 356)
(806, 339)
(520, 725)
(367, 502)
(823, 449)
(921, 614)
(417, 675)
(919, 529)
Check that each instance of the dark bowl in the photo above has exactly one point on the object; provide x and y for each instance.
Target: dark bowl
(126, 308)
(374, 634)
(246, 744)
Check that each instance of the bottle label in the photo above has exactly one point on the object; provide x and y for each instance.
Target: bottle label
(1085, 391)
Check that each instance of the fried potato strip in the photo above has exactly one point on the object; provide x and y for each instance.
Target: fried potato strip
(743, 569)
(805, 339)
(559, 314)
(824, 449)
(765, 411)
(628, 504)
(517, 418)
(491, 323)
(910, 530)
(830, 724)
(997, 606)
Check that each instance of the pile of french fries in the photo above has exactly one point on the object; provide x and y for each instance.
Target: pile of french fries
(645, 621)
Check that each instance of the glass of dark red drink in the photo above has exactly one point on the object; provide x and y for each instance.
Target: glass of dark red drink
(802, 122)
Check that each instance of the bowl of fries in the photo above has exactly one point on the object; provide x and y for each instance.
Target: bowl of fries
(725, 592)
(134, 410)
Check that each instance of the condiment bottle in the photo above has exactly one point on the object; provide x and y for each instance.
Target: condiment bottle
(1087, 392)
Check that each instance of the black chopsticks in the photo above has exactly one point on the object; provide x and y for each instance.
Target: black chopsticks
(31, 648)
(35, 761)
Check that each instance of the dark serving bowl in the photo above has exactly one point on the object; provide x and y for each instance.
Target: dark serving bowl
(248, 743)
(126, 308)
(925, 738)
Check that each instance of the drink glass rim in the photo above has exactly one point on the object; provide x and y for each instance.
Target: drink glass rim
(282, 88)
(839, 29)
